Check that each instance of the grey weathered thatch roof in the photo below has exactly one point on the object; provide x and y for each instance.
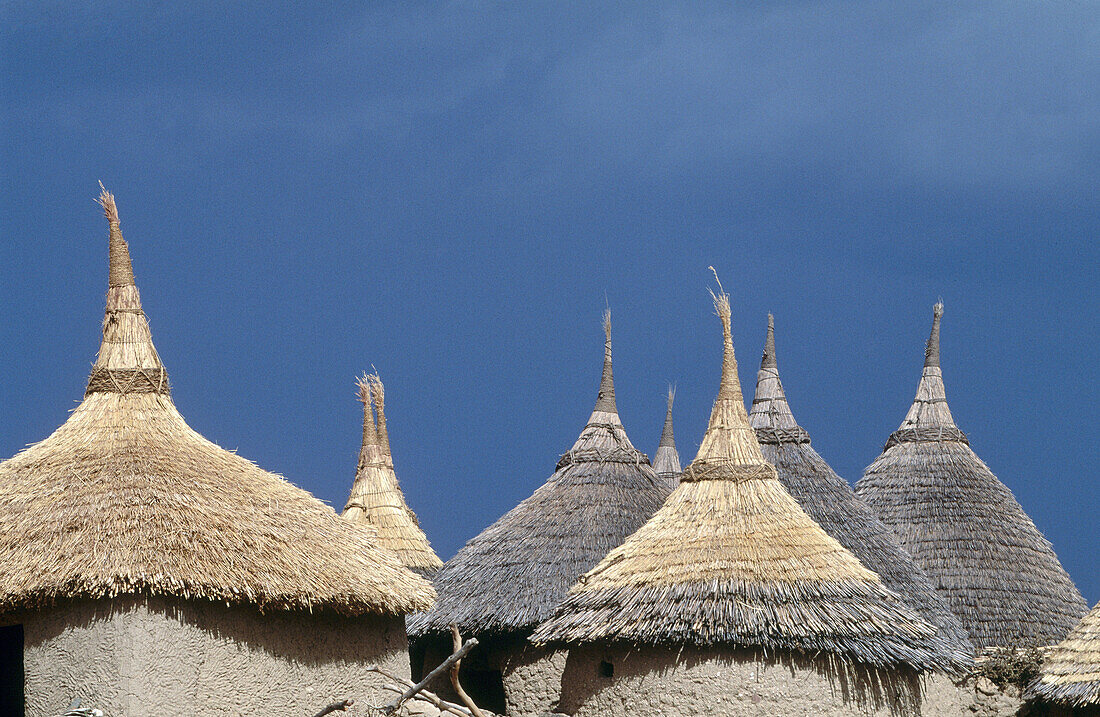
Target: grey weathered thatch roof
(125, 498)
(829, 500)
(376, 498)
(1071, 671)
(731, 559)
(666, 461)
(512, 575)
(964, 528)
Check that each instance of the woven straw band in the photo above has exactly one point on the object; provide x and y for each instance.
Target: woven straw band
(778, 436)
(128, 380)
(929, 434)
(595, 455)
(728, 471)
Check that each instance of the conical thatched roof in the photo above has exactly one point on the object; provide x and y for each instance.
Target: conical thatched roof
(666, 462)
(376, 498)
(731, 559)
(126, 498)
(1071, 671)
(512, 575)
(829, 500)
(964, 528)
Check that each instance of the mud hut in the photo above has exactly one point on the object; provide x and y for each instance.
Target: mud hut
(666, 461)
(964, 528)
(143, 567)
(376, 498)
(829, 500)
(512, 575)
(1070, 681)
(731, 600)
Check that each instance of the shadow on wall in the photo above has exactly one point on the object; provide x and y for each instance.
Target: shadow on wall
(617, 680)
(309, 639)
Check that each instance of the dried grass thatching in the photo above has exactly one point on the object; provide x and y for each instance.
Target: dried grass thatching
(829, 500)
(376, 498)
(512, 575)
(732, 560)
(666, 461)
(964, 528)
(1071, 670)
(126, 498)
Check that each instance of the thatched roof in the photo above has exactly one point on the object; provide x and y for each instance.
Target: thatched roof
(376, 498)
(829, 500)
(126, 498)
(964, 528)
(666, 461)
(1071, 670)
(512, 575)
(731, 559)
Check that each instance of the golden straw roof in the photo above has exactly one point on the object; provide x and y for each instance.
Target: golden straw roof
(731, 559)
(666, 461)
(1071, 670)
(376, 498)
(963, 526)
(126, 498)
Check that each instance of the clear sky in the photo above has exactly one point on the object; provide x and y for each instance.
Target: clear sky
(451, 193)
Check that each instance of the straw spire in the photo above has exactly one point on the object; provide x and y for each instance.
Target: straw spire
(932, 350)
(376, 498)
(121, 270)
(768, 359)
(964, 527)
(731, 559)
(1071, 671)
(729, 438)
(829, 500)
(380, 408)
(667, 437)
(666, 461)
(125, 498)
(127, 361)
(370, 432)
(605, 400)
(515, 572)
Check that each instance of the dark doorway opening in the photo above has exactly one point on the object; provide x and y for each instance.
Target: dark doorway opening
(607, 669)
(11, 670)
(485, 688)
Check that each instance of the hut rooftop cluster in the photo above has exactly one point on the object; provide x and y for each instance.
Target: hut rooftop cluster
(756, 545)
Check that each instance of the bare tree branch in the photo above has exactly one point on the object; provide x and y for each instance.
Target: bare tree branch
(443, 667)
(335, 707)
(457, 641)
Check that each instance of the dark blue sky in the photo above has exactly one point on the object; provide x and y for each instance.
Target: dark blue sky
(450, 192)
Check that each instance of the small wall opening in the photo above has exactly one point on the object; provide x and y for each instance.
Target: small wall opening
(11, 670)
(485, 688)
(606, 669)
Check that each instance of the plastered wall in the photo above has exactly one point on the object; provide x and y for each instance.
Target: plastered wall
(650, 680)
(162, 657)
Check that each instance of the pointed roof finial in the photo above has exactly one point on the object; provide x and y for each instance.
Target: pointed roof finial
(729, 437)
(121, 270)
(932, 351)
(667, 438)
(768, 359)
(730, 387)
(127, 361)
(370, 432)
(380, 408)
(605, 402)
